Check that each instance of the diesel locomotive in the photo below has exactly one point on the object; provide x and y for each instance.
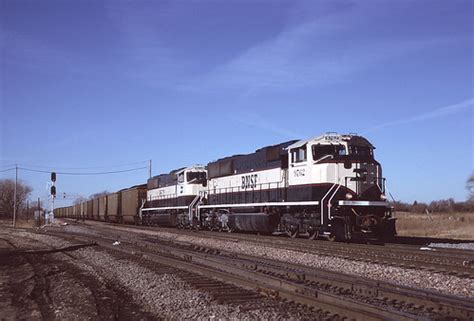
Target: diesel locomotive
(328, 186)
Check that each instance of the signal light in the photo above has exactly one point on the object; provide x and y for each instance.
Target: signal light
(53, 177)
(53, 191)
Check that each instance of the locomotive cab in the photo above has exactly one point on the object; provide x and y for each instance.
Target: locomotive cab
(340, 172)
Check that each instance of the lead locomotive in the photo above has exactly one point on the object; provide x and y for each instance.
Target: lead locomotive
(328, 186)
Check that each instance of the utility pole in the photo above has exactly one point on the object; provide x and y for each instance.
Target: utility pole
(149, 169)
(14, 196)
(39, 213)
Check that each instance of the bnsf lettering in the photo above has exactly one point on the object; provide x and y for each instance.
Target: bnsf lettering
(299, 172)
(249, 181)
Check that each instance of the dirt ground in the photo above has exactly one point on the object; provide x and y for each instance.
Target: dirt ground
(438, 225)
(51, 287)
(97, 283)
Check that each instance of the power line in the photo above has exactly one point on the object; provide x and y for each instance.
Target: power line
(91, 167)
(6, 170)
(9, 165)
(77, 173)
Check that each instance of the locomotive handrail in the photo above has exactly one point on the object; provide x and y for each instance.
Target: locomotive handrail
(141, 208)
(332, 196)
(202, 195)
(190, 209)
(322, 203)
(257, 191)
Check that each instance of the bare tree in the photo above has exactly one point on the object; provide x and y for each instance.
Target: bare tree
(7, 192)
(80, 200)
(470, 188)
(97, 195)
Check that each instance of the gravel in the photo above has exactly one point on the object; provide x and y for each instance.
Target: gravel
(445, 284)
(461, 246)
(163, 295)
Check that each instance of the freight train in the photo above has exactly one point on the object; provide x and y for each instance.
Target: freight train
(328, 186)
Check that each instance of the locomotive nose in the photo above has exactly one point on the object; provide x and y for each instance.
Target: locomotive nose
(367, 181)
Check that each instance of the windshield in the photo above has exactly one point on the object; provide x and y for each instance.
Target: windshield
(361, 152)
(336, 151)
(196, 177)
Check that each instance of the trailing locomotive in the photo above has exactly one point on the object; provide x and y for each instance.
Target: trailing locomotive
(172, 198)
(329, 186)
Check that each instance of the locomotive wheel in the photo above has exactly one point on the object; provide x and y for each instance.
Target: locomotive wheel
(225, 229)
(292, 233)
(313, 235)
(291, 230)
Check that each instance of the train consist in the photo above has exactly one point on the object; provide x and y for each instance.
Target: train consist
(329, 186)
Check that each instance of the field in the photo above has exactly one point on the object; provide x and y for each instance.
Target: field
(439, 225)
(20, 222)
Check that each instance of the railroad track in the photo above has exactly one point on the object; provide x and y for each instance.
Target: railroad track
(445, 261)
(329, 294)
(222, 288)
(440, 260)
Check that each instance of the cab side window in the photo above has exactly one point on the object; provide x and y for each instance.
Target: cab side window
(299, 155)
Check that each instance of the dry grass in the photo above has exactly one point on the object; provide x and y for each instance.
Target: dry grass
(19, 223)
(438, 225)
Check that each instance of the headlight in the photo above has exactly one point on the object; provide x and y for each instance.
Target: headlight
(383, 197)
(348, 196)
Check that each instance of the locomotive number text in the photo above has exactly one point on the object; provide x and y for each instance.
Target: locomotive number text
(299, 172)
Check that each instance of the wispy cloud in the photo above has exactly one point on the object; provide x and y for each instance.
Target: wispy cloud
(320, 44)
(23, 50)
(439, 112)
(309, 54)
(149, 59)
(258, 122)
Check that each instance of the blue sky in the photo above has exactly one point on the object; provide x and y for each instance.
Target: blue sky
(94, 84)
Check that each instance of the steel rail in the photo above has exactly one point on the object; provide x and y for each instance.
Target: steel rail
(16, 251)
(415, 300)
(276, 287)
(288, 279)
(456, 262)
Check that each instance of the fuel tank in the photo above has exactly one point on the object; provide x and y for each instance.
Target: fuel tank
(160, 219)
(253, 222)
